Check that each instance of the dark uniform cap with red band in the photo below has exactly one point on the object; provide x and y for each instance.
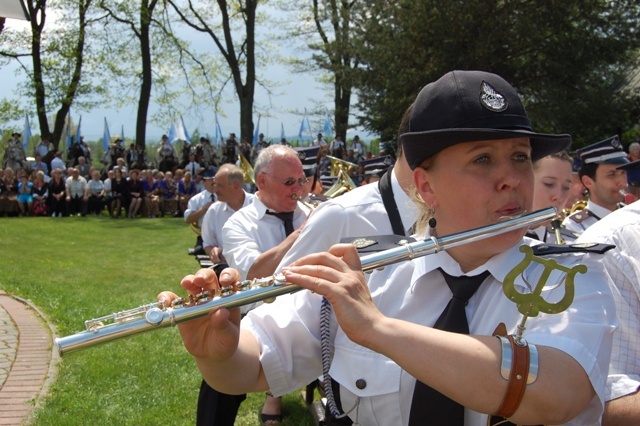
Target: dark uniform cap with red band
(470, 106)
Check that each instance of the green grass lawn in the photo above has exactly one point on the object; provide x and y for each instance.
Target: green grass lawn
(79, 268)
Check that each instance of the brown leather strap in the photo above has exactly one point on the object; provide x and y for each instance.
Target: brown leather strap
(517, 379)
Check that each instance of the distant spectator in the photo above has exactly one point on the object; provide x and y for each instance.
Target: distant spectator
(57, 193)
(319, 141)
(151, 203)
(97, 194)
(140, 158)
(9, 195)
(76, 187)
(358, 148)
(186, 190)
(135, 193)
(118, 193)
(83, 168)
(14, 156)
(192, 166)
(43, 148)
(166, 155)
(40, 195)
(25, 195)
(168, 195)
(39, 164)
(57, 163)
(337, 147)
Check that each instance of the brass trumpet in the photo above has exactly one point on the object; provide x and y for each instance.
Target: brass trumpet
(157, 315)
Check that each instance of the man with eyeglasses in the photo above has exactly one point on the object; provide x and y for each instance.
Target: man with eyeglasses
(254, 240)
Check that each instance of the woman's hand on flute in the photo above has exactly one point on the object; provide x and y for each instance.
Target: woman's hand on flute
(214, 336)
(338, 276)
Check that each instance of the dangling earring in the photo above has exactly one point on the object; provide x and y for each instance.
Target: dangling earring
(432, 222)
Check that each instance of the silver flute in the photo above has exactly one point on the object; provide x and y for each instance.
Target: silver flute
(157, 315)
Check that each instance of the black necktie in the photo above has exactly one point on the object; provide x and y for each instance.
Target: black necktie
(532, 234)
(286, 218)
(213, 197)
(430, 407)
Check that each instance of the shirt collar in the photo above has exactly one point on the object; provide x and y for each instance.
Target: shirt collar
(597, 210)
(499, 266)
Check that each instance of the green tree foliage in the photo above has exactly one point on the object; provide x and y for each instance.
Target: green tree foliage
(570, 59)
(231, 27)
(328, 29)
(54, 57)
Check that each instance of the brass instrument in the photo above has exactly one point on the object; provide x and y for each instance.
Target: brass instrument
(556, 225)
(579, 205)
(338, 165)
(157, 315)
(195, 228)
(247, 170)
(343, 184)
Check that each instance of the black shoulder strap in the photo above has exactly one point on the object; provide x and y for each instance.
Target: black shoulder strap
(390, 203)
(548, 249)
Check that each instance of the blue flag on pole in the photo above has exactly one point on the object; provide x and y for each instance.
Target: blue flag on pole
(218, 136)
(77, 138)
(26, 134)
(185, 134)
(106, 136)
(173, 134)
(327, 127)
(282, 135)
(257, 132)
(304, 126)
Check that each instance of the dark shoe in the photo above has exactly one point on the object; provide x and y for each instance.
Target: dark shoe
(270, 419)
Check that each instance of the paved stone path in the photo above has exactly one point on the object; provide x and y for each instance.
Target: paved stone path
(26, 359)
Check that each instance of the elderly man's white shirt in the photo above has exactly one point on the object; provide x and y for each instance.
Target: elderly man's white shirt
(359, 213)
(250, 231)
(215, 218)
(416, 292)
(622, 229)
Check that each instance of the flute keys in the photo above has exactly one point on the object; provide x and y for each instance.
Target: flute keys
(226, 291)
(154, 316)
(178, 303)
(203, 297)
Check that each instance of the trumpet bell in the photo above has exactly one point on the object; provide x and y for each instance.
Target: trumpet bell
(338, 165)
(343, 184)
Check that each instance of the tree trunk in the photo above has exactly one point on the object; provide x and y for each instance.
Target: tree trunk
(145, 87)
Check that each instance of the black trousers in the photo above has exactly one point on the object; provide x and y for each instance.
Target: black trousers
(216, 408)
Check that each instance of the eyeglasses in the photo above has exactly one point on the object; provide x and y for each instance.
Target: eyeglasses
(292, 181)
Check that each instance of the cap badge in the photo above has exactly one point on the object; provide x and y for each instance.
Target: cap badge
(361, 243)
(615, 142)
(491, 99)
(302, 155)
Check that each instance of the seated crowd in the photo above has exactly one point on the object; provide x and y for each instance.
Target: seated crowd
(66, 192)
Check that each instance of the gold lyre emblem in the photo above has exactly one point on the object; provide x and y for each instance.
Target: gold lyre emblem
(531, 304)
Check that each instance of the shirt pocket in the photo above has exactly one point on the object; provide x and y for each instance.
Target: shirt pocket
(365, 373)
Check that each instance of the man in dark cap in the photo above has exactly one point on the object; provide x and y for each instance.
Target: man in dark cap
(604, 180)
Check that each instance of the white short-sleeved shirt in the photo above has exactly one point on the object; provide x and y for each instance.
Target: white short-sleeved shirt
(249, 232)
(196, 202)
(415, 291)
(215, 218)
(578, 228)
(622, 228)
(358, 213)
